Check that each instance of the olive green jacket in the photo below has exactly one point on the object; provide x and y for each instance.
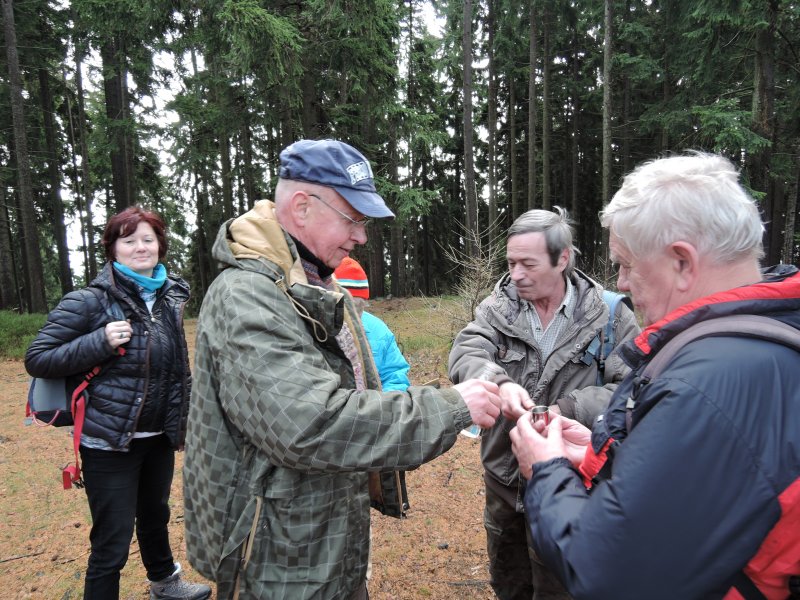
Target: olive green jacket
(501, 334)
(279, 443)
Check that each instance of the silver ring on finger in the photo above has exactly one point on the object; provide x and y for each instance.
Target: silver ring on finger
(122, 335)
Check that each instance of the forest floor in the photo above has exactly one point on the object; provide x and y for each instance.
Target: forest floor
(437, 552)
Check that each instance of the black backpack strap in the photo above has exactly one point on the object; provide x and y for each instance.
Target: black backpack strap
(110, 306)
(794, 587)
(745, 586)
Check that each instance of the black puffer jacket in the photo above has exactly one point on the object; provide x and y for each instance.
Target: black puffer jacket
(147, 388)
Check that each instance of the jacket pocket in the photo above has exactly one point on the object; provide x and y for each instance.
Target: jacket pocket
(513, 362)
(309, 537)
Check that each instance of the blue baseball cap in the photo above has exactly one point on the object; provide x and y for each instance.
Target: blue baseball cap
(337, 165)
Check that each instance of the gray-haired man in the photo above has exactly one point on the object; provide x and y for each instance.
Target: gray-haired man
(539, 327)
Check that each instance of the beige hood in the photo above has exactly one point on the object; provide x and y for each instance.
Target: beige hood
(257, 234)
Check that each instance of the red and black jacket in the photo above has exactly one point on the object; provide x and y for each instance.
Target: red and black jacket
(705, 482)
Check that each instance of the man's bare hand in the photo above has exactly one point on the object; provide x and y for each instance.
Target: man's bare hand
(515, 400)
(575, 437)
(483, 400)
(532, 442)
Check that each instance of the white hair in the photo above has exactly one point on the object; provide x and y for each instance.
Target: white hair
(695, 198)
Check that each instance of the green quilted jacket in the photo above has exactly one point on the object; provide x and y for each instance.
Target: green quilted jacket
(279, 442)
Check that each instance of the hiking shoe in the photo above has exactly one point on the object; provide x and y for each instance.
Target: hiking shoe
(175, 588)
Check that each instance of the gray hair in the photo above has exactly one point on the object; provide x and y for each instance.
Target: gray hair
(696, 198)
(558, 233)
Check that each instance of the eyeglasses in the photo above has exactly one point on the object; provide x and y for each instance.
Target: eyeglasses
(360, 222)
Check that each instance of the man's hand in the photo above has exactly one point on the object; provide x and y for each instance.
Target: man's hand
(534, 443)
(575, 437)
(515, 400)
(482, 399)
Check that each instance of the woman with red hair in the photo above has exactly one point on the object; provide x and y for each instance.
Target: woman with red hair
(129, 320)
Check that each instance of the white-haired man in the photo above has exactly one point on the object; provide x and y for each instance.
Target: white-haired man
(695, 471)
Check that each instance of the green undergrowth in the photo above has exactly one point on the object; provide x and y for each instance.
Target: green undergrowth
(17, 332)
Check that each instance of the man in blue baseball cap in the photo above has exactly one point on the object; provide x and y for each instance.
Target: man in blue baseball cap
(290, 440)
(337, 165)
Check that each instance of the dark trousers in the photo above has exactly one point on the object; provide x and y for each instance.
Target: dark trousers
(516, 573)
(126, 489)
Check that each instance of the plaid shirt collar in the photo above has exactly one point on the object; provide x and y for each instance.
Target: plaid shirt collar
(547, 338)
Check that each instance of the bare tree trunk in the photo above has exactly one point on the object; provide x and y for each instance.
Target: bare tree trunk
(225, 176)
(9, 299)
(666, 86)
(576, 112)
(76, 182)
(115, 87)
(375, 258)
(532, 112)
(626, 125)
(396, 254)
(491, 118)
(246, 141)
(764, 124)
(606, 190)
(398, 264)
(546, 125)
(239, 175)
(792, 204)
(428, 260)
(30, 233)
(54, 174)
(204, 266)
(311, 115)
(23, 277)
(512, 147)
(88, 192)
(607, 104)
(470, 199)
(221, 97)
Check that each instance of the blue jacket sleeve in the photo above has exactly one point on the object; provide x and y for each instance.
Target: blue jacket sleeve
(392, 365)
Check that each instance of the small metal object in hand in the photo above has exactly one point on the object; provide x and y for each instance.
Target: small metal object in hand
(121, 335)
(541, 413)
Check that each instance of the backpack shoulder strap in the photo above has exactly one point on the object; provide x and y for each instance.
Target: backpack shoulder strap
(612, 299)
(752, 326)
(111, 307)
(603, 345)
(71, 474)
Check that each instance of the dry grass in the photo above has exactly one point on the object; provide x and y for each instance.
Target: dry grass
(437, 552)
